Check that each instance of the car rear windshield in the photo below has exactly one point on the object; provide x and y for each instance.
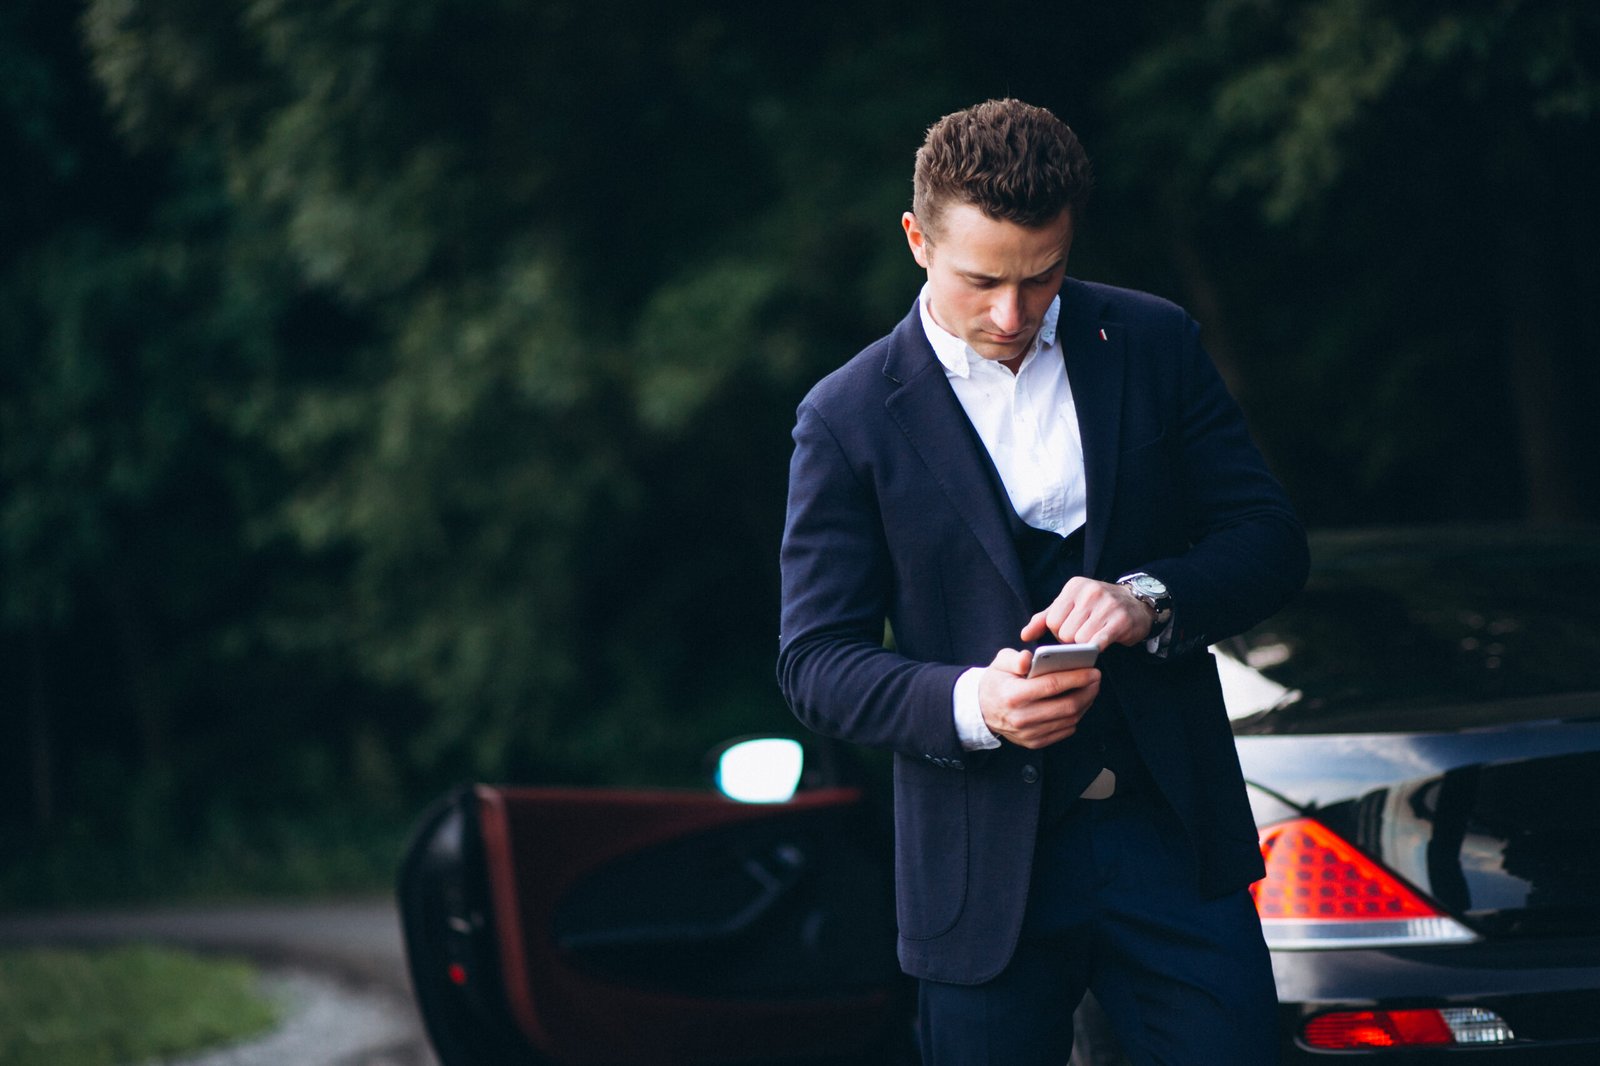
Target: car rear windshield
(1428, 629)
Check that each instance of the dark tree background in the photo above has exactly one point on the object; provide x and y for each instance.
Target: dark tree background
(394, 393)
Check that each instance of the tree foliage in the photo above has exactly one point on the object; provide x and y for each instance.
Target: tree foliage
(1386, 209)
(395, 392)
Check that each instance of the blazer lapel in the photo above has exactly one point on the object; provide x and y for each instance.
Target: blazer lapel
(930, 416)
(1094, 351)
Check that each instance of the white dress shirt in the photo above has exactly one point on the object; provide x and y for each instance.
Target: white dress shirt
(1026, 420)
(1029, 427)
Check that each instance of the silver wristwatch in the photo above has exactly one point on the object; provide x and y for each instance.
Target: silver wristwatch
(1152, 592)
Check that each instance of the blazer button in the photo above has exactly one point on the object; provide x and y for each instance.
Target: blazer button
(1029, 774)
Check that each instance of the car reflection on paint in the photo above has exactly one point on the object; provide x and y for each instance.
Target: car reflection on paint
(1420, 735)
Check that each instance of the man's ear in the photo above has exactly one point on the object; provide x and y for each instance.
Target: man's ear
(916, 238)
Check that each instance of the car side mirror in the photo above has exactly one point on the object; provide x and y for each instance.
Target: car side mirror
(760, 770)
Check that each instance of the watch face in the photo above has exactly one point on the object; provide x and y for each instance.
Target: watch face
(1148, 585)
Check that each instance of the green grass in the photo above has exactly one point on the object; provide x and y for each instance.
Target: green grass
(122, 1005)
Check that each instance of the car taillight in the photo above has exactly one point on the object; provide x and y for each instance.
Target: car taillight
(1320, 892)
(1349, 1030)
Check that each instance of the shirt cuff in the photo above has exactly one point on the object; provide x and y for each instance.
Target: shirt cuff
(1159, 644)
(970, 727)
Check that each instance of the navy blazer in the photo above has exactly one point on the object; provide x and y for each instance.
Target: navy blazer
(893, 515)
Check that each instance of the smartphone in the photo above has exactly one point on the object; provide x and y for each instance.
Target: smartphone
(1048, 658)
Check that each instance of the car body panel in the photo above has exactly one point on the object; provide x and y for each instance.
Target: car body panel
(1432, 704)
(1436, 975)
(1464, 817)
(1314, 770)
(673, 926)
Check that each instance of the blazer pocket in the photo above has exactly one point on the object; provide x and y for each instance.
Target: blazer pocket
(930, 848)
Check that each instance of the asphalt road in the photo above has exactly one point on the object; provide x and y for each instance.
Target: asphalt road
(339, 969)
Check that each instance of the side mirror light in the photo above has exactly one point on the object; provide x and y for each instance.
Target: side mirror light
(761, 770)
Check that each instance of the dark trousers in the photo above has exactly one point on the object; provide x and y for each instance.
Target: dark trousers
(1185, 981)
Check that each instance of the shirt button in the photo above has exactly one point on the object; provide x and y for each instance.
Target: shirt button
(1029, 774)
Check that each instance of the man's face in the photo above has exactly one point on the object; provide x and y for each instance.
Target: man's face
(990, 282)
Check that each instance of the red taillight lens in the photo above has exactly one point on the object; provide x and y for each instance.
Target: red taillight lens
(1460, 1026)
(1313, 873)
(1382, 1028)
(1320, 892)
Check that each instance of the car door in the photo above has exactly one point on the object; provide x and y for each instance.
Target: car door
(642, 927)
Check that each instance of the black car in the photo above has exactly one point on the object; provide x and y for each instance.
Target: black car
(1420, 732)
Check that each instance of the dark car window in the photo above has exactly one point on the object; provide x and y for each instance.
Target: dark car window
(1431, 629)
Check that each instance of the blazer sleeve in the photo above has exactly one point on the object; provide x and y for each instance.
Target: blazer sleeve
(1247, 550)
(837, 584)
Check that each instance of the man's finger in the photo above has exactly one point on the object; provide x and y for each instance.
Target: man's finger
(1064, 681)
(1013, 661)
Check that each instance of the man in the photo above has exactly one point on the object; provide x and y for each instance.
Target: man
(1026, 458)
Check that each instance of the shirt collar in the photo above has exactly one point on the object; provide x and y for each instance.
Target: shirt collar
(957, 356)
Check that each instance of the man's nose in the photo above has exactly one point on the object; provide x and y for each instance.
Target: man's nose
(1006, 311)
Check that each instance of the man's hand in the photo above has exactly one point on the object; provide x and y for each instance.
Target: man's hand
(1092, 612)
(1033, 712)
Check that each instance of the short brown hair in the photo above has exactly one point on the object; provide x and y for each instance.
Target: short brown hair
(1011, 160)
